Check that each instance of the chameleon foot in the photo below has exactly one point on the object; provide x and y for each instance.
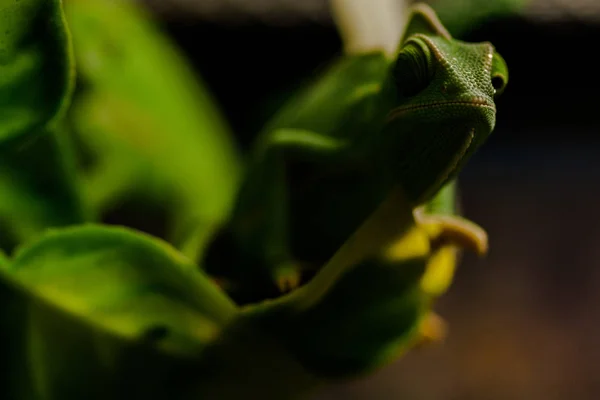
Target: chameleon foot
(432, 330)
(454, 230)
(287, 278)
(448, 236)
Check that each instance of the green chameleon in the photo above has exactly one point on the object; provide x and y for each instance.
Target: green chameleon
(354, 181)
(333, 154)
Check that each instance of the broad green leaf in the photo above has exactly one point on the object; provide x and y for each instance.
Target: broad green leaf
(101, 307)
(143, 111)
(36, 72)
(123, 281)
(38, 188)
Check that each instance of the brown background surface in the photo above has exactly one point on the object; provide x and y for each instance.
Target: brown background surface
(524, 322)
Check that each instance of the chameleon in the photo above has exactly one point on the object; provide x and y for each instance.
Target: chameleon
(331, 156)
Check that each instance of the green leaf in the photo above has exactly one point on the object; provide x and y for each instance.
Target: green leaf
(36, 75)
(124, 281)
(143, 111)
(38, 188)
(98, 307)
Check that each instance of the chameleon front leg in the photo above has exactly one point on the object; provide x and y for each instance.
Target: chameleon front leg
(262, 214)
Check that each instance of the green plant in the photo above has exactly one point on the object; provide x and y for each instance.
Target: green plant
(90, 310)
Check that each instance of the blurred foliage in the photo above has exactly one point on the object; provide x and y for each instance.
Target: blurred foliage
(33, 46)
(147, 121)
(39, 188)
(462, 16)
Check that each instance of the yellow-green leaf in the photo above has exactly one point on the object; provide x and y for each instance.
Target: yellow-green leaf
(38, 188)
(123, 281)
(97, 307)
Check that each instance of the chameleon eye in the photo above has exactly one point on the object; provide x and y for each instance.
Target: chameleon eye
(498, 83)
(412, 71)
(499, 74)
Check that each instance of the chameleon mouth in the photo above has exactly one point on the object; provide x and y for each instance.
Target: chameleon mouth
(477, 103)
(458, 158)
(452, 167)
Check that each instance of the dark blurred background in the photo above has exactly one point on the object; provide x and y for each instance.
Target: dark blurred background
(524, 322)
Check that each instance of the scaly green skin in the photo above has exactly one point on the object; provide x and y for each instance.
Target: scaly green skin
(331, 156)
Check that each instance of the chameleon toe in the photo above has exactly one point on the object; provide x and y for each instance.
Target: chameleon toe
(432, 330)
(454, 230)
(287, 279)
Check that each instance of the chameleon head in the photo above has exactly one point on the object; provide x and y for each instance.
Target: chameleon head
(442, 91)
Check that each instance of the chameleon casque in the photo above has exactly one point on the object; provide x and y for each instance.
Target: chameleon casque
(334, 153)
